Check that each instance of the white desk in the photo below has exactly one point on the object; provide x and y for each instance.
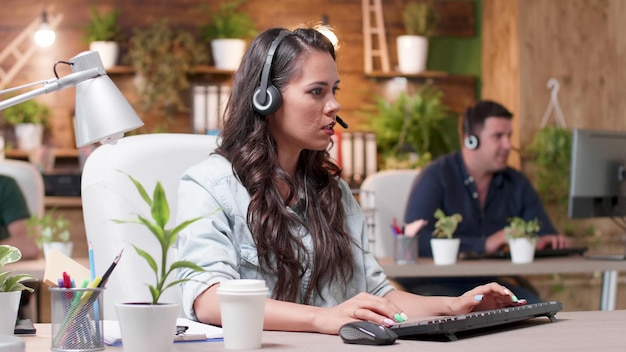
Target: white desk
(574, 331)
(503, 267)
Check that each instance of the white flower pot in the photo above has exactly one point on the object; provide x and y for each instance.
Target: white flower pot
(522, 250)
(29, 136)
(146, 327)
(63, 247)
(227, 53)
(108, 51)
(445, 250)
(412, 53)
(9, 305)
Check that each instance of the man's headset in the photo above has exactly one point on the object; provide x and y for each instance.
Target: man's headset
(471, 141)
(266, 98)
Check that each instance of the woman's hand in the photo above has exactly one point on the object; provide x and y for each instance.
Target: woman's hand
(363, 306)
(485, 297)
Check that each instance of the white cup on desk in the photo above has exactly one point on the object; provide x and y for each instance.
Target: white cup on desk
(242, 305)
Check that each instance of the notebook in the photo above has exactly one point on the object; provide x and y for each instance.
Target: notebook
(450, 326)
(195, 331)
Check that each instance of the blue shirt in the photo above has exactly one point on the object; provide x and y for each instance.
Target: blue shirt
(222, 243)
(446, 184)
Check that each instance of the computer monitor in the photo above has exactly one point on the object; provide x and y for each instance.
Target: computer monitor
(597, 180)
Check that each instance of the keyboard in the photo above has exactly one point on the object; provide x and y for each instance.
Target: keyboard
(448, 327)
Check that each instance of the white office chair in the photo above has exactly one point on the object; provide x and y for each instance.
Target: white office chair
(109, 194)
(383, 196)
(30, 181)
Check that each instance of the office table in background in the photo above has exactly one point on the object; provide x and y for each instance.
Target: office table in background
(502, 267)
(574, 331)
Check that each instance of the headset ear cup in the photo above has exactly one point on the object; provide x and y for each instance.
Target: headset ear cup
(471, 142)
(272, 103)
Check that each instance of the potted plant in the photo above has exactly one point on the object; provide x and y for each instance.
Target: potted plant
(103, 33)
(163, 57)
(522, 237)
(227, 32)
(420, 22)
(414, 128)
(51, 231)
(29, 119)
(149, 326)
(11, 288)
(444, 246)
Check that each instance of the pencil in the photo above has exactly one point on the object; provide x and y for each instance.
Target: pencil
(106, 275)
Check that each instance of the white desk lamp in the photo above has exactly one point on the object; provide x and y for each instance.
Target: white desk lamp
(102, 113)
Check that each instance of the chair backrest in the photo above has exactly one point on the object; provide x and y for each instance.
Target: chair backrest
(30, 181)
(109, 194)
(383, 196)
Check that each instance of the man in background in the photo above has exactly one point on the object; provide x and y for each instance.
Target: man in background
(13, 215)
(477, 183)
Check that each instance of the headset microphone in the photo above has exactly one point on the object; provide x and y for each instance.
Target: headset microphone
(341, 122)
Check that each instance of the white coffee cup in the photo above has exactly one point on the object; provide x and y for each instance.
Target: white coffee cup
(242, 305)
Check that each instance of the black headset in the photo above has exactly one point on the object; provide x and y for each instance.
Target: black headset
(267, 99)
(471, 141)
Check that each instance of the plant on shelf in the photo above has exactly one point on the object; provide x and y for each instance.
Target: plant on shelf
(420, 18)
(8, 282)
(520, 228)
(226, 33)
(103, 34)
(29, 119)
(50, 231)
(163, 57)
(446, 224)
(420, 23)
(414, 129)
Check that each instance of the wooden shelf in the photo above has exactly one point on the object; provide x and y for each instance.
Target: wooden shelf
(200, 69)
(437, 75)
(58, 153)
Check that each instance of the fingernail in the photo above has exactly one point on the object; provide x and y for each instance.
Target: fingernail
(398, 318)
(389, 322)
(507, 292)
(478, 298)
(514, 298)
(404, 316)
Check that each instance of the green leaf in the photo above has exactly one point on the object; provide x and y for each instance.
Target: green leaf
(160, 208)
(142, 191)
(148, 258)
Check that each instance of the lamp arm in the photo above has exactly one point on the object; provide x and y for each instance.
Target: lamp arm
(51, 85)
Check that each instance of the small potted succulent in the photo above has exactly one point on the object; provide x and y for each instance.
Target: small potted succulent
(521, 236)
(11, 288)
(156, 319)
(444, 246)
(51, 231)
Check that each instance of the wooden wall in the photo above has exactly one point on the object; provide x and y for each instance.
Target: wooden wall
(344, 15)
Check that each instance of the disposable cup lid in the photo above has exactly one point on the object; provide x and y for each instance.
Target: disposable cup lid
(242, 286)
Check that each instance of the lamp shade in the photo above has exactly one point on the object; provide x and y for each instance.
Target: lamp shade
(102, 113)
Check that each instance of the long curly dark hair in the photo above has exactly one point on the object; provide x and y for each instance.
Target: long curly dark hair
(247, 143)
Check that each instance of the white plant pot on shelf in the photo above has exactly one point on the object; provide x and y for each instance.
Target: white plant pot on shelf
(108, 51)
(522, 250)
(29, 136)
(412, 53)
(227, 53)
(445, 250)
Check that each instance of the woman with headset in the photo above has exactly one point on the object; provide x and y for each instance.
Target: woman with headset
(284, 215)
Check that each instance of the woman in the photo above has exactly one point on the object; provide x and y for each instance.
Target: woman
(283, 213)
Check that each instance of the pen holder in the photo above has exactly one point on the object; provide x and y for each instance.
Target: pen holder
(76, 319)
(405, 249)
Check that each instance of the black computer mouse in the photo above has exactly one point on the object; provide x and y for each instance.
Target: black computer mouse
(367, 333)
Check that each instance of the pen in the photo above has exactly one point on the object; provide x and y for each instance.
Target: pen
(106, 275)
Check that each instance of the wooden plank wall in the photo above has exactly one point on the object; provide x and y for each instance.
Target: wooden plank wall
(344, 16)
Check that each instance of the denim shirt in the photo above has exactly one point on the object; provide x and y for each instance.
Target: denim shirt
(446, 184)
(222, 243)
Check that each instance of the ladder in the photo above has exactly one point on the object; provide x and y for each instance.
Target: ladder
(376, 58)
(15, 55)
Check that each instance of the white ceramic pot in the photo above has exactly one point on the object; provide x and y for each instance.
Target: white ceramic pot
(522, 250)
(9, 305)
(108, 51)
(146, 327)
(227, 53)
(29, 136)
(412, 53)
(445, 250)
(63, 247)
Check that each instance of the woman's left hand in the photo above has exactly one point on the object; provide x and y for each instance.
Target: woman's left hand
(485, 297)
